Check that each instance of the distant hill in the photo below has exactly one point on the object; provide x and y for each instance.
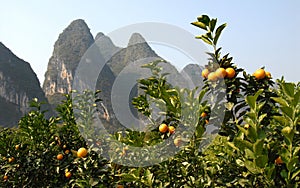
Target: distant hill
(70, 46)
(18, 85)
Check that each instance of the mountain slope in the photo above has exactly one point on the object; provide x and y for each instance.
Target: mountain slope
(71, 45)
(18, 85)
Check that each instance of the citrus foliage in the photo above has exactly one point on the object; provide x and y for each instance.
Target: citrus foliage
(258, 144)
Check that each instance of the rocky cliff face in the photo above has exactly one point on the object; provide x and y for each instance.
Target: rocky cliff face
(75, 41)
(18, 85)
(137, 49)
(72, 43)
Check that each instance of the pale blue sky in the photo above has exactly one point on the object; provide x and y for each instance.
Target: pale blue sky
(258, 32)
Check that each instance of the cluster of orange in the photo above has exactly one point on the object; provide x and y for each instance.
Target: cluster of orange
(163, 128)
(81, 153)
(10, 160)
(261, 74)
(204, 115)
(218, 74)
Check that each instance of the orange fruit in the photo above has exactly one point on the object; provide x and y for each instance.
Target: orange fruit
(64, 146)
(163, 128)
(60, 157)
(82, 152)
(278, 161)
(212, 76)
(221, 72)
(120, 186)
(268, 74)
(67, 151)
(68, 174)
(259, 74)
(5, 177)
(177, 141)
(205, 73)
(206, 121)
(17, 147)
(203, 114)
(171, 129)
(230, 72)
(12, 159)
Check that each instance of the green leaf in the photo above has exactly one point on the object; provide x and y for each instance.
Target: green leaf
(233, 146)
(258, 93)
(251, 101)
(200, 25)
(242, 144)
(296, 151)
(252, 134)
(242, 129)
(280, 119)
(201, 94)
(128, 177)
(212, 24)
(288, 111)
(280, 101)
(261, 161)
(295, 102)
(285, 154)
(292, 164)
(295, 174)
(288, 89)
(218, 33)
(261, 117)
(249, 154)
(149, 176)
(251, 167)
(284, 174)
(204, 19)
(205, 39)
(258, 147)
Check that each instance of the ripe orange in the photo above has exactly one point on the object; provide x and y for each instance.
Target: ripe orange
(11, 159)
(60, 157)
(230, 72)
(120, 186)
(64, 146)
(5, 177)
(212, 76)
(82, 152)
(221, 72)
(177, 141)
(163, 128)
(17, 147)
(205, 73)
(67, 151)
(268, 74)
(68, 174)
(278, 161)
(171, 129)
(259, 74)
(203, 114)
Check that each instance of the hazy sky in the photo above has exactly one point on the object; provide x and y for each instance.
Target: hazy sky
(258, 33)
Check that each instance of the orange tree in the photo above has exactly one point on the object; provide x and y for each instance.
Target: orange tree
(42, 152)
(258, 140)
